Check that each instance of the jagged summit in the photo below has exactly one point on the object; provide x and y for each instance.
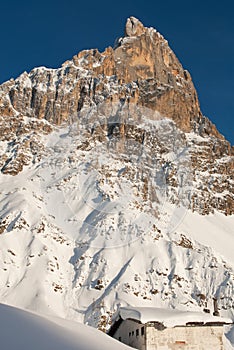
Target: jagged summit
(134, 27)
(144, 60)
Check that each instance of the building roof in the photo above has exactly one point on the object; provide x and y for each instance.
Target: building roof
(169, 317)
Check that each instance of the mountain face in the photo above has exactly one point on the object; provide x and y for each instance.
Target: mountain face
(142, 71)
(115, 189)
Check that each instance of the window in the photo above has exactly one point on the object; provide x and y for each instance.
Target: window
(129, 334)
(120, 338)
(142, 330)
(137, 332)
(132, 333)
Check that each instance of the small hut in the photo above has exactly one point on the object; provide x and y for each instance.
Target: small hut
(165, 329)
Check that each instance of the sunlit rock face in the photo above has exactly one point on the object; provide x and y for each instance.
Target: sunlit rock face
(140, 70)
(142, 58)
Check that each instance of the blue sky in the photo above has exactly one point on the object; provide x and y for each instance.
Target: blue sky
(46, 33)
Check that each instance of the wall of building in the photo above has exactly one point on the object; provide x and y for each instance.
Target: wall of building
(132, 333)
(185, 338)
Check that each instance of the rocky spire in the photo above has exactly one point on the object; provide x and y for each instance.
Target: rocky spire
(134, 27)
(142, 58)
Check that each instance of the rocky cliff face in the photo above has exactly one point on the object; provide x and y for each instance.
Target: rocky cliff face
(140, 70)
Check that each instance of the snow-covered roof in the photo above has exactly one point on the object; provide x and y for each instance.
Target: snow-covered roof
(168, 317)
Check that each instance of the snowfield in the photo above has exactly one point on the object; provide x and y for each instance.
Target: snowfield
(81, 236)
(23, 330)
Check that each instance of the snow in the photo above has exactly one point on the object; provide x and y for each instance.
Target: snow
(168, 317)
(23, 330)
(214, 230)
(229, 333)
(77, 246)
(192, 136)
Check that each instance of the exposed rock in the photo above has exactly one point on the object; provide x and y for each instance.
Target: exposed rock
(134, 27)
(140, 70)
(142, 57)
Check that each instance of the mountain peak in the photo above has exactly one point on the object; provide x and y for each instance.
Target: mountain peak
(141, 70)
(134, 27)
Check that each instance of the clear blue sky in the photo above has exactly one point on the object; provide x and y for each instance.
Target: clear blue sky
(46, 33)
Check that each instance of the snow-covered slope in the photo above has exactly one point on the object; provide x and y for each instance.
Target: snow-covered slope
(23, 330)
(81, 236)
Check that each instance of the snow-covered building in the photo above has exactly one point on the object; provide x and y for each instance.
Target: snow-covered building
(163, 329)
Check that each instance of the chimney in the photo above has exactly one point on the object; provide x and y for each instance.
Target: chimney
(216, 310)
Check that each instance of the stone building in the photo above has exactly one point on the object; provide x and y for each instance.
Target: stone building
(160, 329)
